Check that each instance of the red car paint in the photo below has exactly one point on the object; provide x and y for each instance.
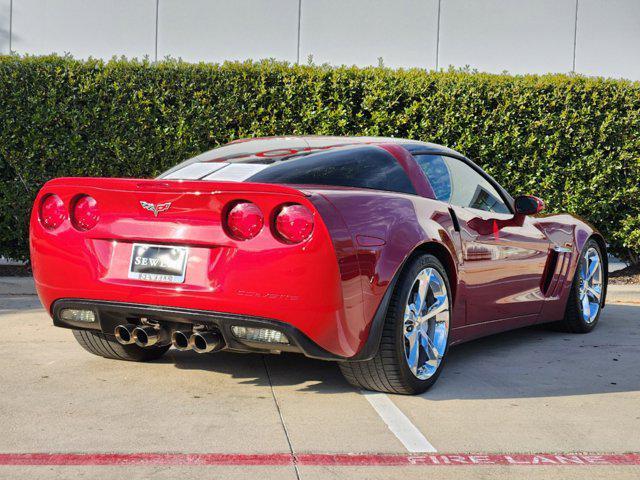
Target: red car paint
(329, 286)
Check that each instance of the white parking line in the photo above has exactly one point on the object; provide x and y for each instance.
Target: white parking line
(412, 438)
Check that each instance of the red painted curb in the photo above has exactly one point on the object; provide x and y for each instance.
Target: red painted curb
(470, 459)
(122, 459)
(341, 460)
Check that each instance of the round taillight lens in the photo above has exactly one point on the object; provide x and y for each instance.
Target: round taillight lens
(85, 213)
(244, 220)
(52, 212)
(294, 223)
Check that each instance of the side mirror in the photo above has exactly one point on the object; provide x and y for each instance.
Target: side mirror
(528, 205)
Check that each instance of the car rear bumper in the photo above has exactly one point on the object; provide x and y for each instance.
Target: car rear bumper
(298, 284)
(108, 315)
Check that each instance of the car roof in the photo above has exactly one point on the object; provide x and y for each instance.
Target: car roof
(324, 141)
(278, 147)
(248, 149)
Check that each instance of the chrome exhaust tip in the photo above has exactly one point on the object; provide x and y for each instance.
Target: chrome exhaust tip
(180, 340)
(124, 334)
(149, 336)
(205, 342)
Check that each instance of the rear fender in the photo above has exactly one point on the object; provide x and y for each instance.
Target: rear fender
(372, 343)
(386, 230)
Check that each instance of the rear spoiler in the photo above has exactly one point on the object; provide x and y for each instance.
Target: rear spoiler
(160, 185)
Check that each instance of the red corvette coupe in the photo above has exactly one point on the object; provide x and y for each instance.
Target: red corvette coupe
(376, 253)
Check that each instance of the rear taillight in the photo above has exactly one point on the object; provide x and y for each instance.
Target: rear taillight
(244, 220)
(294, 223)
(85, 214)
(52, 212)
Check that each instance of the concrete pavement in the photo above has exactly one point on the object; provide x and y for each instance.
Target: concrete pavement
(526, 391)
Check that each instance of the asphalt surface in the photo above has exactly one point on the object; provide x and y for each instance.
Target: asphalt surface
(524, 392)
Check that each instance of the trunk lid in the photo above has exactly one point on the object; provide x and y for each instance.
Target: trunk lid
(162, 211)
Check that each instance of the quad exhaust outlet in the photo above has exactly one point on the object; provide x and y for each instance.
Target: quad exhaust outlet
(147, 336)
(204, 341)
(180, 340)
(141, 335)
(124, 333)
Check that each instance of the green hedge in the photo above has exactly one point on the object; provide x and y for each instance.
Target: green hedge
(573, 141)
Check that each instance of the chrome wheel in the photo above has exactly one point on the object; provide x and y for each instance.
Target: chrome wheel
(590, 286)
(426, 323)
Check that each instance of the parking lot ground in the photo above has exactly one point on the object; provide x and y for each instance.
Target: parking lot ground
(318, 473)
(533, 390)
(523, 392)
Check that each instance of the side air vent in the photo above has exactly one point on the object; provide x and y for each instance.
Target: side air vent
(454, 219)
(549, 271)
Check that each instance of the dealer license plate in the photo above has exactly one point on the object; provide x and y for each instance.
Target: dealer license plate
(158, 263)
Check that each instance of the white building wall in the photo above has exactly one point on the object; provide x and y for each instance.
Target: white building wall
(518, 36)
(608, 38)
(401, 32)
(97, 28)
(5, 9)
(594, 37)
(215, 31)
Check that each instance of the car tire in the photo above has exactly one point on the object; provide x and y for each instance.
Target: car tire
(389, 371)
(575, 319)
(99, 344)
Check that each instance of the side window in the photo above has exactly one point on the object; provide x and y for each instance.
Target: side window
(470, 189)
(438, 174)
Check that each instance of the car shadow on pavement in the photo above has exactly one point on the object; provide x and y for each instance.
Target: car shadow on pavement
(529, 362)
(539, 362)
(281, 370)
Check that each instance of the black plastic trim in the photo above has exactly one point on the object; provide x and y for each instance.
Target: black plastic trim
(549, 271)
(111, 314)
(454, 219)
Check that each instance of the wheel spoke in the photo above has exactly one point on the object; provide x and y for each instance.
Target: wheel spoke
(440, 336)
(440, 305)
(409, 323)
(423, 288)
(586, 308)
(414, 350)
(583, 269)
(432, 352)
(595, 291)
(593, 267)
(411, 312)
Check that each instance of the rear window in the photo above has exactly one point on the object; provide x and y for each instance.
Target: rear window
(361, 167)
